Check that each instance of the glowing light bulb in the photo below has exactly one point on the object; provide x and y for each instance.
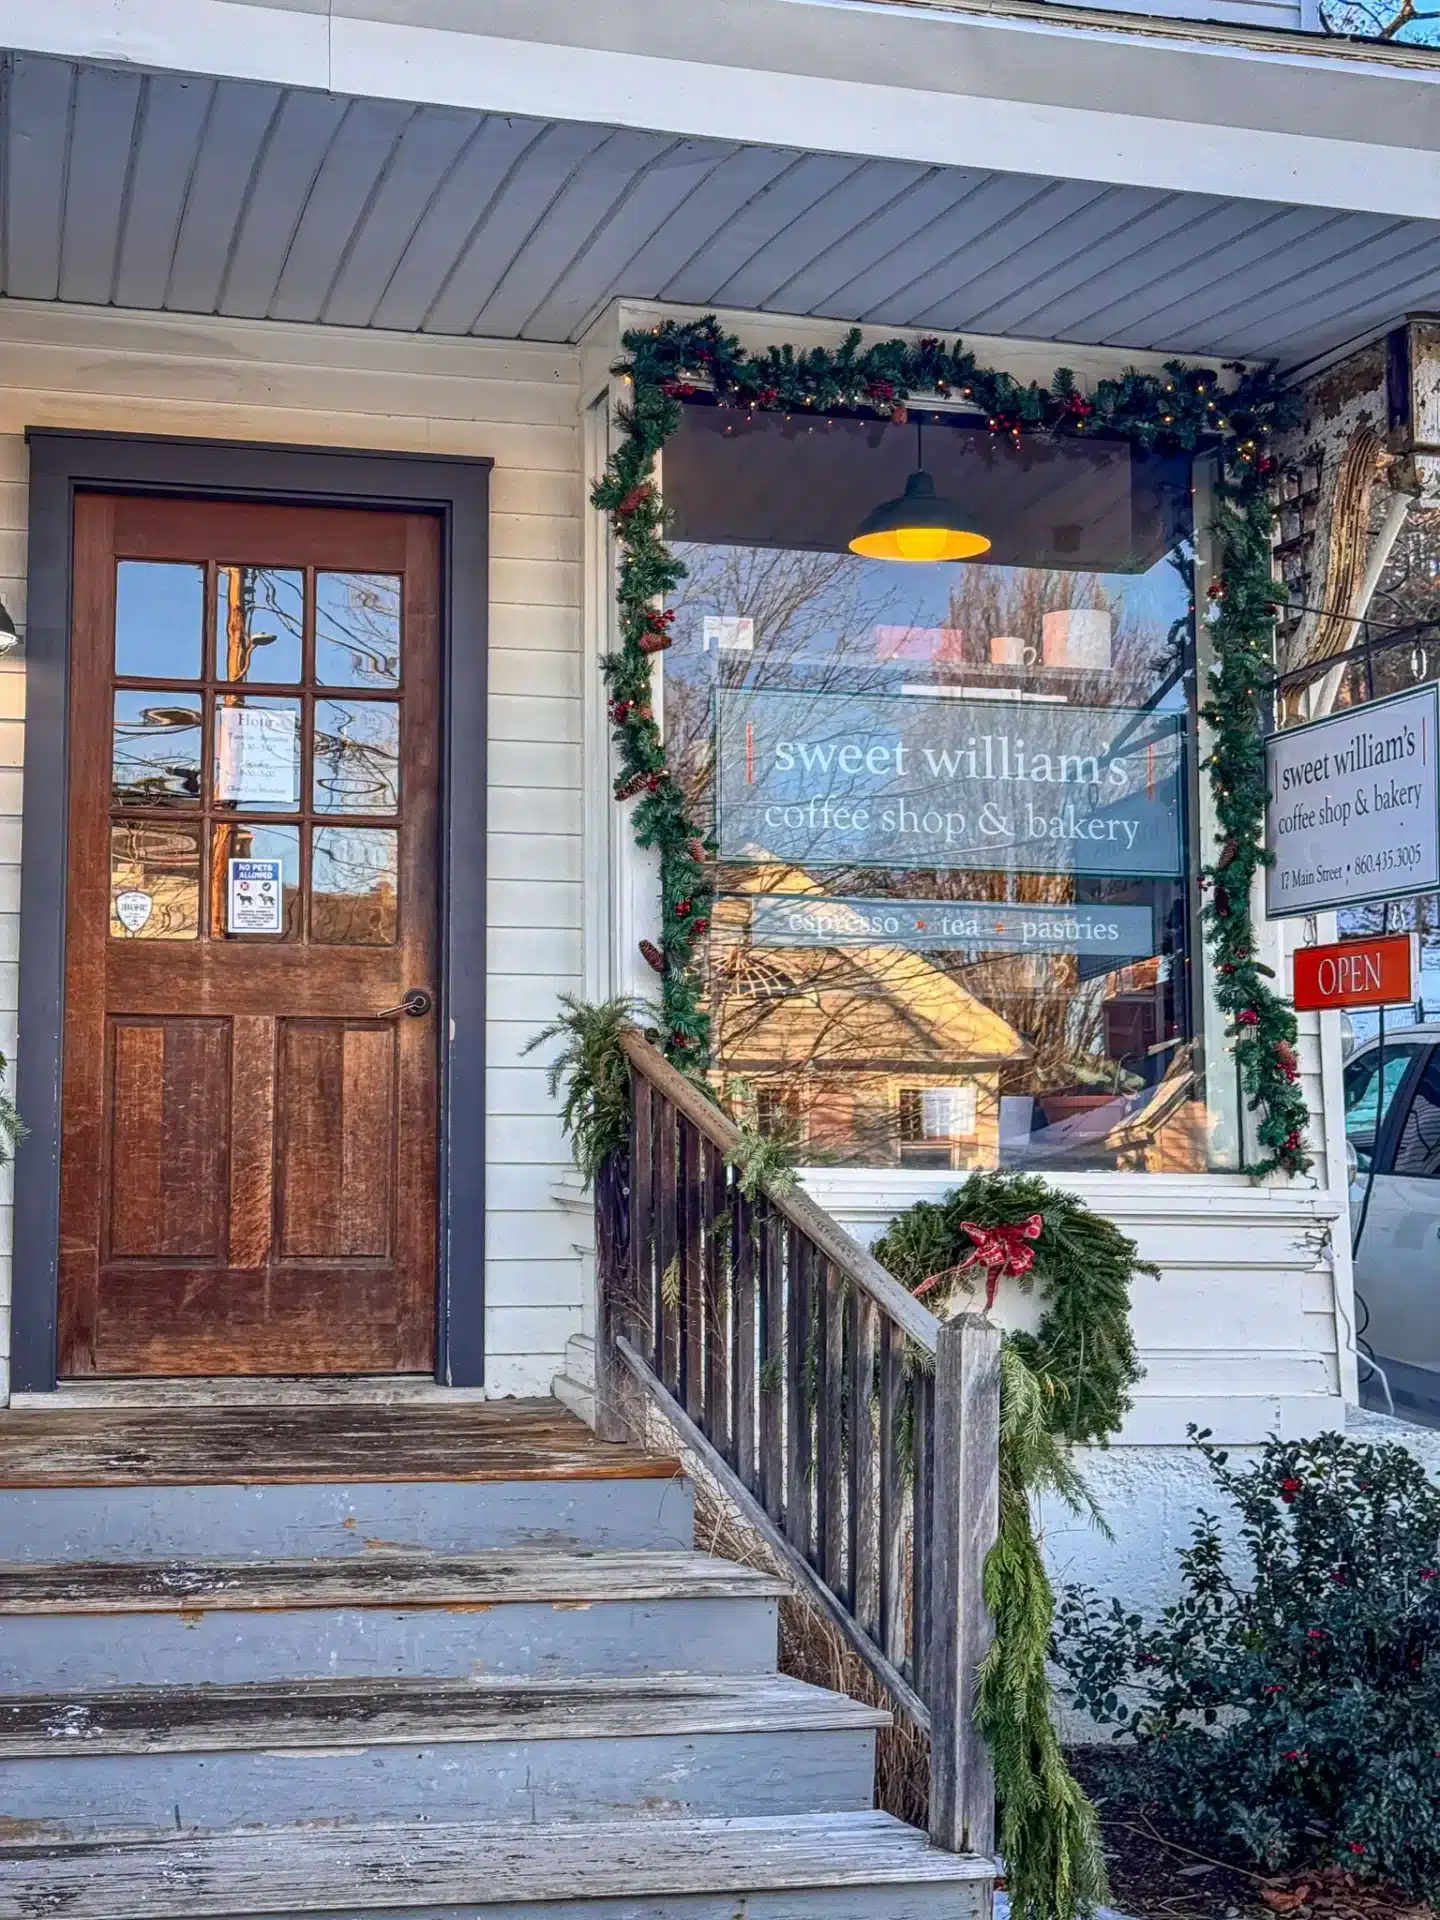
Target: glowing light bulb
(922, 543)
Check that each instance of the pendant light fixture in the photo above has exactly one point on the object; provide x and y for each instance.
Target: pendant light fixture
(920, 525)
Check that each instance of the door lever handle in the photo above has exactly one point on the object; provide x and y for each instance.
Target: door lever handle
(417, 1003)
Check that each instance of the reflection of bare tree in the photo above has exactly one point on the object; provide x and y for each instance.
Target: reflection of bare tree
(357, 629)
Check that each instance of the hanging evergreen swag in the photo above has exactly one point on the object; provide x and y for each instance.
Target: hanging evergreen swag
(1185, 410)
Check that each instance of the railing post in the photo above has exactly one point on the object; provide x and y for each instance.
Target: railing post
(611, 1277)
(965, 1520)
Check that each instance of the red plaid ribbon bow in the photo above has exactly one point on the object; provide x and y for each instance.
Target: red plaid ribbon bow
(999, 1250)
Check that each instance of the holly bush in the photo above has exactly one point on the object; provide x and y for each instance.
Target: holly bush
(1286, 1707)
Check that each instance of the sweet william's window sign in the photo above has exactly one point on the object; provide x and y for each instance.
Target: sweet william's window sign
(1354, 811)
(909, 781)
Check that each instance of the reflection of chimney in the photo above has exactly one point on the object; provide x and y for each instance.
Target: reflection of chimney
(1077, 637)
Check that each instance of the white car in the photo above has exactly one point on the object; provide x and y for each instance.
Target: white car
(1394, 1142)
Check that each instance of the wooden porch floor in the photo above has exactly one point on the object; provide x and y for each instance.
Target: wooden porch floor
(349, 1440)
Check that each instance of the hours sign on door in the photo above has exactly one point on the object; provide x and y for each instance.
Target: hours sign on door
(1354, 809)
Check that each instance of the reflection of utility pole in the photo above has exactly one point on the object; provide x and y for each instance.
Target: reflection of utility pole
(239, 652)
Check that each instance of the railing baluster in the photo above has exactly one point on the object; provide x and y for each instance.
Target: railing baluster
(719, 1294)
(830, 1425)
(609, 1297)
(744, 1323)
(892, 1496)
(771, 1463)
(642, 1216)
(667, 1257)
(922, 1399)
(864, 1515)
(692, 1306)
(799, 1380)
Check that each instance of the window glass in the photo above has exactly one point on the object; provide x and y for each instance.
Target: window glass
(259, 623)
(953, 804)
(155, 752)
(154, 880)
(257, 752)
(1419, 1150)
(255, 880)
(357, 629)
(353, 876)
(159, 619)
(357, 756)
(1365, 1106)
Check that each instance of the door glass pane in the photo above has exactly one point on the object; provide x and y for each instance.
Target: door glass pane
(257, 752)
(154, 881)
(159, 619)
(357, 629)
(156, 749)
(353, 874)
(254, 880)
(259, 623)
(357, 756)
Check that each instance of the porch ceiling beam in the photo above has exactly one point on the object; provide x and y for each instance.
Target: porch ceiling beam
(1184, 109)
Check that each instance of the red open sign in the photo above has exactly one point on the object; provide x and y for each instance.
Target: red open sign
(1377, 972)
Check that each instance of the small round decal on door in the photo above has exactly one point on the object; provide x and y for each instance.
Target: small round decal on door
(133, 909)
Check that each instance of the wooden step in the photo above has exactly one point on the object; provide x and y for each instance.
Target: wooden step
(849, 1866)
(282, 1445)
(440, 1616)
(215, 1757)
(165, 1482)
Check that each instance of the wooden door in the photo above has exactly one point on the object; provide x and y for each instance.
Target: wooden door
(248, 1158)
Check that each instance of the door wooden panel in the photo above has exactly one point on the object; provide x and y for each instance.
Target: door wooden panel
(335, 1140)
(168, 1127)
(248, 1166)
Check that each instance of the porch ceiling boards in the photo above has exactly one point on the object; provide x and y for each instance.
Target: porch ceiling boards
(206, 196)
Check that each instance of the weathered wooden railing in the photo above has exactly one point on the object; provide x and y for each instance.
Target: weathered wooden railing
(854, 1430)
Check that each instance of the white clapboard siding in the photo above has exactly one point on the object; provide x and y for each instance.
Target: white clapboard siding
(242, 380)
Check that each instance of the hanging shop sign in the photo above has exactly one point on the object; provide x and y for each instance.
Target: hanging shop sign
(923, 926)
(1378, 972)
(821, 779)
(1354, 810)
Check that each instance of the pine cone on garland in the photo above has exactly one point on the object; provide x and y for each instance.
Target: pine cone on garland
(630, 785)
(698, 852)
(632, 502)
(1227, 854)
(652, 955)
(657, 635)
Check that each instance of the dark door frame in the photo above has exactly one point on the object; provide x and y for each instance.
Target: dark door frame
(458, 493)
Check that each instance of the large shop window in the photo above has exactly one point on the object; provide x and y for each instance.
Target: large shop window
(955, 804)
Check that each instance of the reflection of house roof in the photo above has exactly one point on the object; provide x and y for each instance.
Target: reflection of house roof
(899, 996)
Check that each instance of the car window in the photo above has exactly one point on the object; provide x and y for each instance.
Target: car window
(1365, 1110)
(1418, 1153)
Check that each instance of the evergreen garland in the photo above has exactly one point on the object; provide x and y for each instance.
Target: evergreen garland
(1186, 410)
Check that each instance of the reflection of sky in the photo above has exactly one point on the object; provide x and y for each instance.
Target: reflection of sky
(159, 619)
(840, 615)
